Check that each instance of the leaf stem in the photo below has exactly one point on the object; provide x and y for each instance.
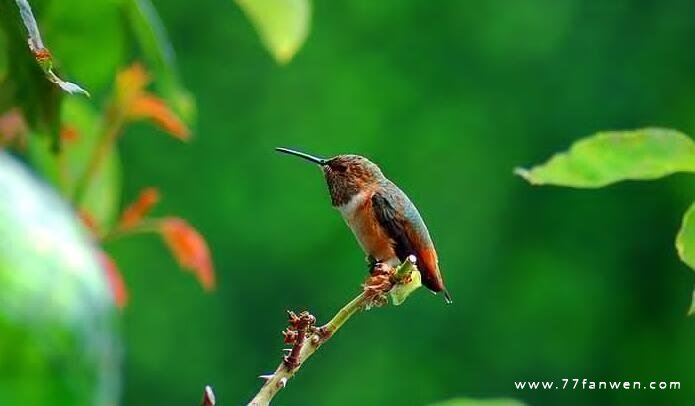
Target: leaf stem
(144, 226)
(112, 129)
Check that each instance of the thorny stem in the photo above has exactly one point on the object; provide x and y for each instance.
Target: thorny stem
(296, 334)
(375, 290)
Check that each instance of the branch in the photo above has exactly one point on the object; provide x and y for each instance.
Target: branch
(305, 338)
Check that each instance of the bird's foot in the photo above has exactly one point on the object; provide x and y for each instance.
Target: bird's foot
(372, 263)
(379, 268)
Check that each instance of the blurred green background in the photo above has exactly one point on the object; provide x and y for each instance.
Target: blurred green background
(448, 97)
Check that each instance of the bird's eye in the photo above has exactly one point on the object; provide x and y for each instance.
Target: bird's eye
(339, 167)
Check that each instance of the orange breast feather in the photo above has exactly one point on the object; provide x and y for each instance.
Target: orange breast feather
(370, 234)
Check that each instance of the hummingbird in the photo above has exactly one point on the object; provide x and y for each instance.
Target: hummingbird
(385, 222)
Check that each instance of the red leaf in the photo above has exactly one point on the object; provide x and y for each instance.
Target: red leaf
(135, 102)
(13, 127)
(137, 210)
(151, 107)
(190, 249)
(115, 279)
(69, 133)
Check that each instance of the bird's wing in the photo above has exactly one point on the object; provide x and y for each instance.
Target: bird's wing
(393, 223)
(409, 234)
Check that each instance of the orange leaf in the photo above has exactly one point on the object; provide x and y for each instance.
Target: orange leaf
(151, 107)
(137, 210)
(68, 133)
(130, 82)
(190, 249)
(115, 279)
(134, 102)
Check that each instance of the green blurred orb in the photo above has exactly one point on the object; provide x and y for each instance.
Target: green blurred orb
(58, 342)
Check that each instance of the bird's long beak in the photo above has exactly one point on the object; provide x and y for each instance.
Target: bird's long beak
(308, 157)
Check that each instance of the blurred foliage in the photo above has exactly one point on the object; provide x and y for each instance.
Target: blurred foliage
(58, 344)
(87, 170)
(81, 120)
(57, 322)
(282, 24)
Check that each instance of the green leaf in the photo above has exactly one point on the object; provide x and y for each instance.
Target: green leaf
(159, 57)
(479, 402)
(685, 240)
(282, 24)
(613, 156)
(57, 321)
(685, 245)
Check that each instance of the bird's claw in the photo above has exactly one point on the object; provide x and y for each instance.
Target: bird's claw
(379, 268)
(372, 264)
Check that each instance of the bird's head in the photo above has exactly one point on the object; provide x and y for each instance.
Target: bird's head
(346, 175)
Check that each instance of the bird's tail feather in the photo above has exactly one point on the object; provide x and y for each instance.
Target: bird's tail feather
(447, 297)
